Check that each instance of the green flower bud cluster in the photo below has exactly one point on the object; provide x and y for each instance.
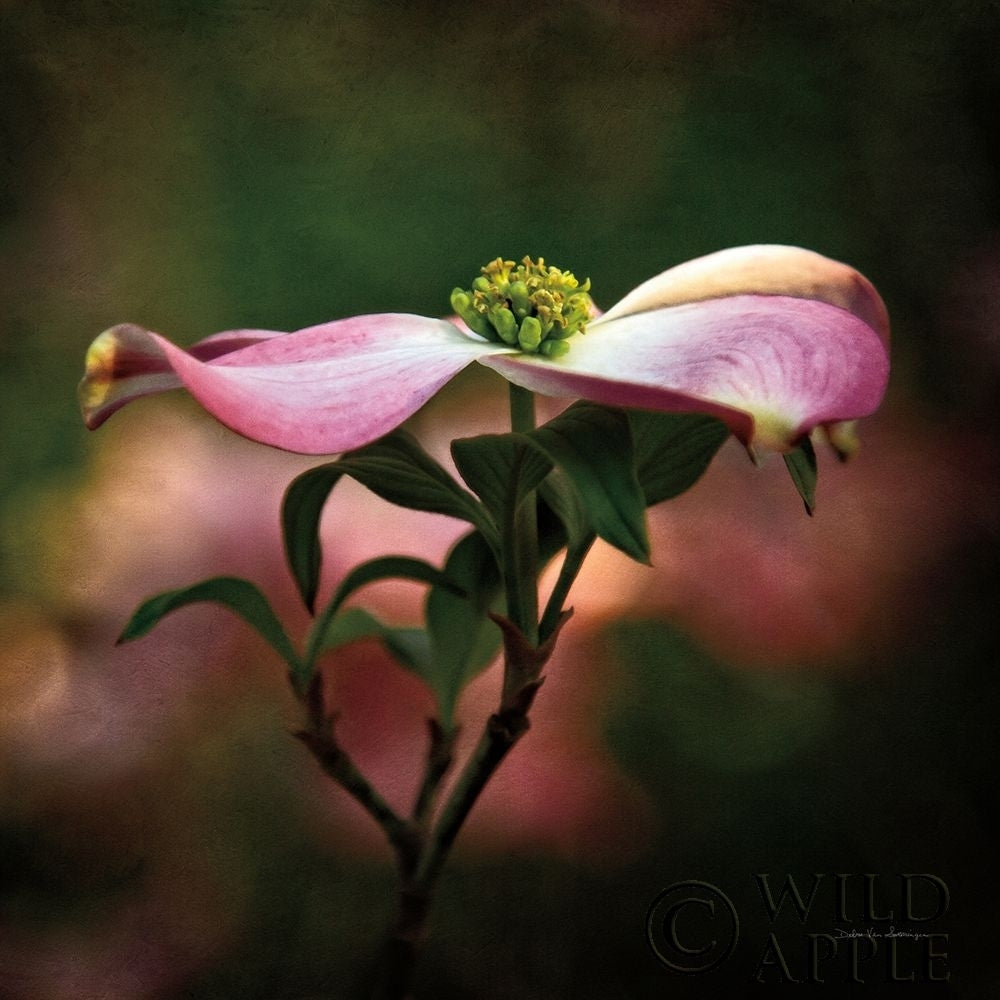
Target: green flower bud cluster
(530, 306)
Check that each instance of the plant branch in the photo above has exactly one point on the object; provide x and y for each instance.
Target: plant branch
(439, 761)
(568, 572)
(523, 663)
(503, 730)
(338, 765)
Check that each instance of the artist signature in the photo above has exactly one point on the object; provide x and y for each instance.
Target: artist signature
(871, 933)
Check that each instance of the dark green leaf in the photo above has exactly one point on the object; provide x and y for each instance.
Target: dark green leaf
(562, 499)
(501, 468)
(397, 469)
(410, 647)
(382, 568)
(593, 447)
(802, 468)
(464, 641)
(672, 450)
(238, 595)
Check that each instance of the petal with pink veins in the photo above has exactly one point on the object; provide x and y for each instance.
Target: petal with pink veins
(321, 390)
(771, 367)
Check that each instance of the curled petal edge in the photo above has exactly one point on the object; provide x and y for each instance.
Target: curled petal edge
(125, 362)
(763, 269)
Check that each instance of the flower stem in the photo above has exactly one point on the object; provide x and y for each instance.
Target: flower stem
(423, 841)
(402, 947)
(520, 545)
(522, 408)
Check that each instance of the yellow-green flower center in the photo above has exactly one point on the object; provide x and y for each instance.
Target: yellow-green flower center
(530, 306)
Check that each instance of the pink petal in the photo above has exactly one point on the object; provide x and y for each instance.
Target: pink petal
(321, 390)
(776, 341)
(231, 340)
(125, 363)
(772, 367)
(760, 270)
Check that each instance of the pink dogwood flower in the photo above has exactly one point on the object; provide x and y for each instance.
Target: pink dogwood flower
(775, 341)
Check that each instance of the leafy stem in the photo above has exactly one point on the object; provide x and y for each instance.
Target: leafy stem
(596, 470)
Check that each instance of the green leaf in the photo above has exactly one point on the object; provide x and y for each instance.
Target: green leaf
(395, 468)
(593, 447)
(561, 498)
(238, 595)
(672, 450)
(410, 647)
(464, 641)
(372, 571)
(802, 468)
(501, 468)
(460, 640)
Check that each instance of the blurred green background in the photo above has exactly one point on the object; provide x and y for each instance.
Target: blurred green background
(204, 166)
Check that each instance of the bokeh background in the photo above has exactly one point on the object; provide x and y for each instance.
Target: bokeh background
(778, 694)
